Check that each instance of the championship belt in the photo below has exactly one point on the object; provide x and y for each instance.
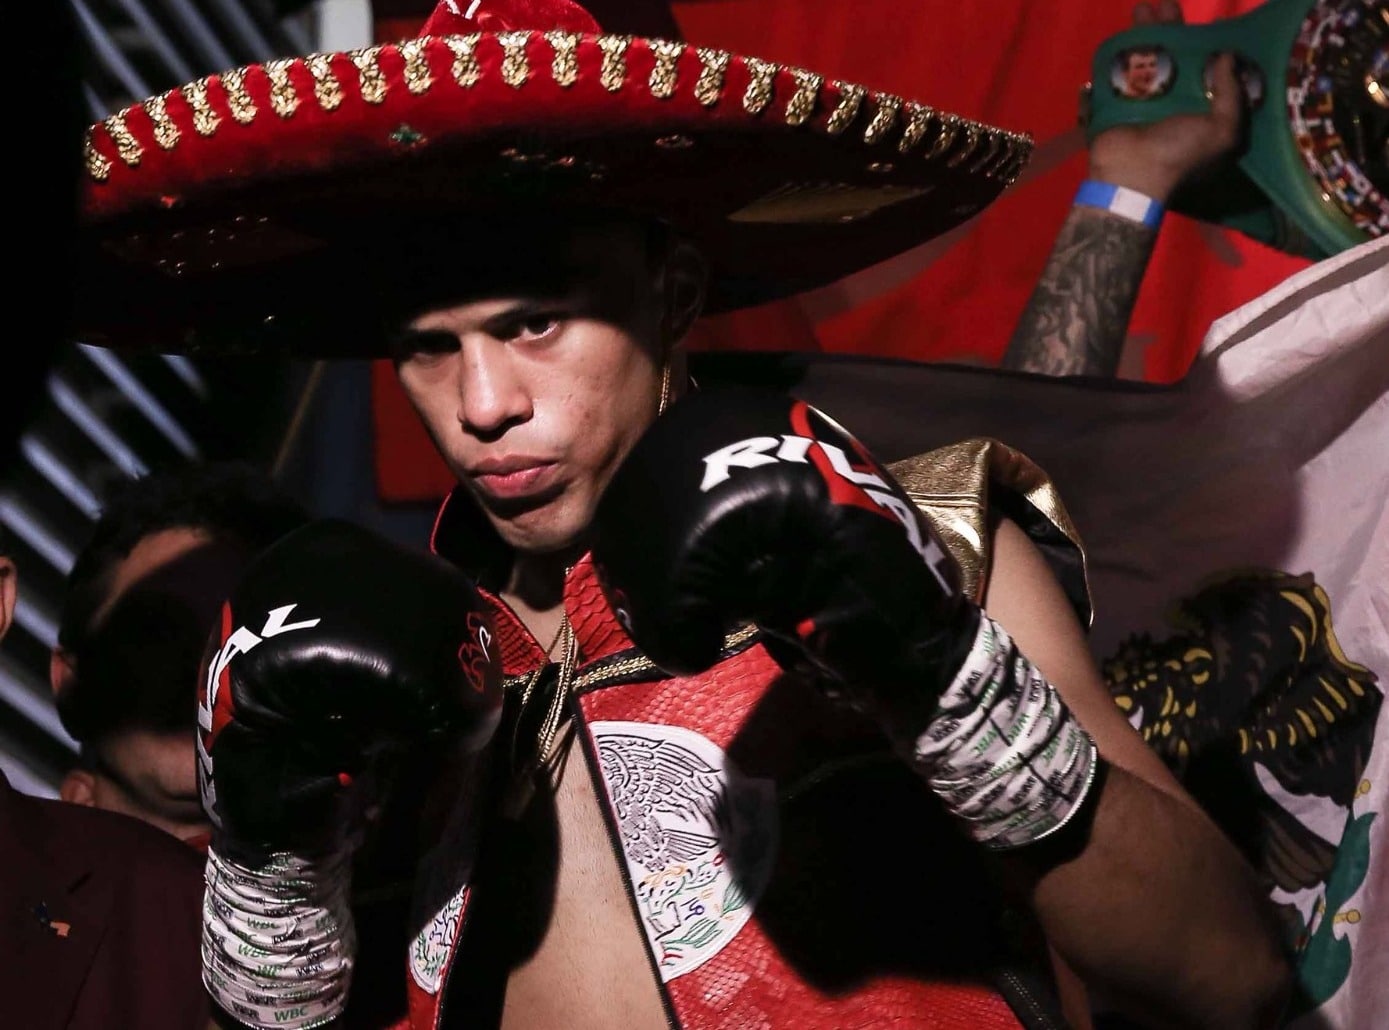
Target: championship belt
(1314, 176)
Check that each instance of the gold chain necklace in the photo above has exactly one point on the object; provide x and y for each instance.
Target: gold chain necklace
(545, 754)
(542, 756)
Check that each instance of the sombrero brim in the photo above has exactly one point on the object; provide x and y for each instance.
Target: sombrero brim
(256, 208)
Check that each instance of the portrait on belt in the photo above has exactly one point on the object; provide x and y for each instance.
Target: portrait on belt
(1141, 72)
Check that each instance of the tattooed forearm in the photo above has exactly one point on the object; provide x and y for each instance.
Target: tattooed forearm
(1075, 320)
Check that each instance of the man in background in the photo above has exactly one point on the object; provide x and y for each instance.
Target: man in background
(99, 913)
(141, 600)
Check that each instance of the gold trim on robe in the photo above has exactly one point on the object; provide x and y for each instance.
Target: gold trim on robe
(957, 487)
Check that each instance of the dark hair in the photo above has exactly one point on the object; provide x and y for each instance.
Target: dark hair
(139, 667)
(1139, 51)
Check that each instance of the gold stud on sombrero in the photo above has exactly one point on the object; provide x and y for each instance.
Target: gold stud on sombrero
(244, 208)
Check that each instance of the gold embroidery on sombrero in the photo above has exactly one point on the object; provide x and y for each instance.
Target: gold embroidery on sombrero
(205, 119)
(166, 133)
(418, 75)
(760, 77)
(127, 146)
(850, 100)
(239, 102)
(614, 71)
(516, 68)
(371, 81)
(1006, 143)
(565, 67)
(963, 154)
(917, 118)
(663, 72)
(1019, 148)
(988, 151)
(709, 86)
(466, 71)
(802, 103)
(883, 117)
(327, 90)
(284, 99)
(1022, 150)
(949, 129)
(97, 166)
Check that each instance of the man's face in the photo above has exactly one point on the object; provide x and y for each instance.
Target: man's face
(152, 776)
(1142, 74)
(534, 390)
(143, 648)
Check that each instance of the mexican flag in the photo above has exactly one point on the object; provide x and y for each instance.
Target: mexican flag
(1236, 525)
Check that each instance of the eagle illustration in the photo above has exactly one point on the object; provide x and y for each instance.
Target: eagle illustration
(1255, 676)
(649, 777)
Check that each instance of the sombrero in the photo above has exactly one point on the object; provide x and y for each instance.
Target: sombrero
(265, 207)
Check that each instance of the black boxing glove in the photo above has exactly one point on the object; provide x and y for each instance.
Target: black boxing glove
(739, 506)
(340, 659)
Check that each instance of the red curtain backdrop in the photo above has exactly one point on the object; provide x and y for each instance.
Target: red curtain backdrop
(1019, 64)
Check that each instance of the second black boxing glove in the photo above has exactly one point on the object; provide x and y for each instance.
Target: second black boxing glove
(744, 506)
(739, 506)
(341, 658)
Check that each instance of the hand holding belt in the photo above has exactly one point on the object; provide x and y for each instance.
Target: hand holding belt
(1314, 176)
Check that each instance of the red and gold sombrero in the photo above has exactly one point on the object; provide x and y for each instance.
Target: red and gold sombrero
(263, 207)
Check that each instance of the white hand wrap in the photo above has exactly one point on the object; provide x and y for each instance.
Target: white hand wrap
(279, 942)
(1002, 750)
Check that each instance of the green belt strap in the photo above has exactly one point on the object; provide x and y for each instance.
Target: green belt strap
(1304, 182)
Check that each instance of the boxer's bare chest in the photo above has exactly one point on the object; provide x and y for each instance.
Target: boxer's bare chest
(589, 968)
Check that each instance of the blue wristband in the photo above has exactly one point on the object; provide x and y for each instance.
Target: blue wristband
(1121, 201)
